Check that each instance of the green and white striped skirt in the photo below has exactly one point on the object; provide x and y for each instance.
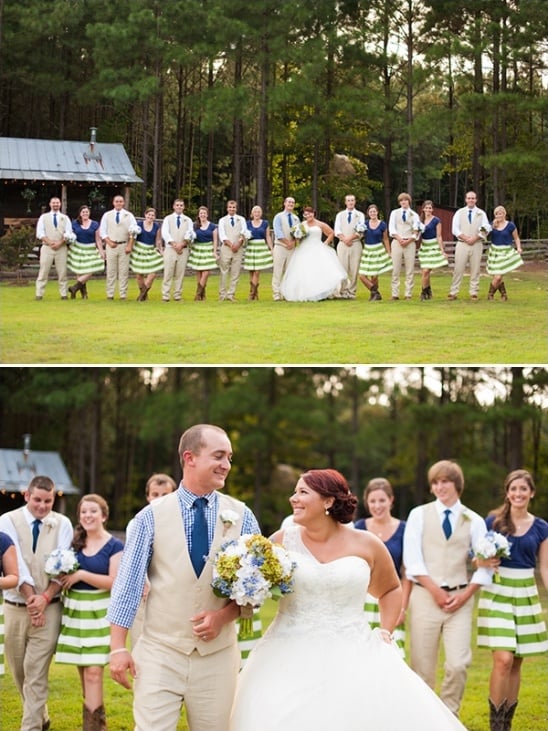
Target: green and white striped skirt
(145, 259)
(257, 255)
(502, 259)
(375, 260)
(248, 638)
(510, 615)
(371, 608)
(85, 631)
(85, 259)
(2, 668)
(431, 256)
(201, 257)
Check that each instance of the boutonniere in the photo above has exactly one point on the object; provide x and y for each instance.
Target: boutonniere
(465, 514)
(50, 521)
(228, 519)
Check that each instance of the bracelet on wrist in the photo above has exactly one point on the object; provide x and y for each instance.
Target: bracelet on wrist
(120, 649)
(46, 597)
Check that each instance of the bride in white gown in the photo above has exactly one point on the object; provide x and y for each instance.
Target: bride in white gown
(319, 666)
(314, 271)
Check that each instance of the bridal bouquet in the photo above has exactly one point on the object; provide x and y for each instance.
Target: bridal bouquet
(250, 570)
(69, 236)
(493, 545)
(299, 231)
(134, 230)
(61, 561)
(360, 228)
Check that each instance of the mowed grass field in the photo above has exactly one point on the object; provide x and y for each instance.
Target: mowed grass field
(65, 695)
(94, 331)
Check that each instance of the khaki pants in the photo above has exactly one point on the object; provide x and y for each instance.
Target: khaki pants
(230, 265)
(166, 678)
(281, 257)
(427, 624)
(465, 253)
(48, 257)
(117, 270)
(407, 253)
(350, 257)
(174, 272)
(29, 651)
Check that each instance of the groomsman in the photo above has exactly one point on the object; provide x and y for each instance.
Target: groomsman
(284, 244)
(114, 230)
(50, 230)
(232, 243)
(176, 252)
(403, 226)
(469, 223)
(350, 247)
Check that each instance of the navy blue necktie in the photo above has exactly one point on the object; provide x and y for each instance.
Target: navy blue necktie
(469, 216)
(349, 216)
(446, 525)
(290, 219)
(232, 220)
(55, 220)
(199, 547)
(403, 217)
(35, 533)
(117, 217)
(178, 221)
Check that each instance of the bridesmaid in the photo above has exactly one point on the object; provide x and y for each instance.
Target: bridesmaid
(146, 259)
(86, 256)
(376, 257)
(502, 257)
(378, 498)
(9, 578)
(431, 253)
(203, 254)
(510, 620)
(258, 252)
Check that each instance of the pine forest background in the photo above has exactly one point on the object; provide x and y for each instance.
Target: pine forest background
(218, 99)
(115, 426)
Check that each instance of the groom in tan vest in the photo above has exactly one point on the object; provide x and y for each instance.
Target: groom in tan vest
(32, 612)
(437, 542)
(188, 647)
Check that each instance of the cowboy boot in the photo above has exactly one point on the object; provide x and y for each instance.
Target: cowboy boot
(510, 710)
(76, 287)
(497, 715)
(198, 297)
(87, 719)
(491, 294)
(429, 292)
(251, 291)
(84, 291)
(424, 294)
(256, 292)
(502, 290)
(100, 719)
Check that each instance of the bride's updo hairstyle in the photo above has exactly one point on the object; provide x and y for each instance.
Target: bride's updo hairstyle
(330, 483)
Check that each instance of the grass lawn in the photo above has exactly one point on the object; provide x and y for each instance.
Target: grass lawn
(65, 695)
(266, 332)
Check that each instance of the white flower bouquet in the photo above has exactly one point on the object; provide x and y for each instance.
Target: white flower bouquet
(69, 236)
(493, 545)
(189, 235)
(249, 571)
(360, 228)
(299, 231)
(483, 234)
(61, 561)
(134, 230)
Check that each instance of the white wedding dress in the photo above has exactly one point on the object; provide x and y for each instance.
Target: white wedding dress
(314, 271)
(319, 666)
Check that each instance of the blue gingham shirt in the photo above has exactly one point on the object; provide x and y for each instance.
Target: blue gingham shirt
(128, 586)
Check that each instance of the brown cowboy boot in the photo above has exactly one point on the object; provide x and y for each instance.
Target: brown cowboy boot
(497, 715)
(198, 297)
(510, 710)
(76, 287)
(502, 290)
(491, 294)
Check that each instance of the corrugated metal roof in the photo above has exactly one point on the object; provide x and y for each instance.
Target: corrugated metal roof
(16, 471)
(45, 160)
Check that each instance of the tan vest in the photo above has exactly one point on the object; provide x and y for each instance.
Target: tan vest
(467, 228)
(178, 233)
(445, 559)
(48, 540)
(175, 592)
(232, 233)
(285, 223)
(348, 228)
(56, 234)
(405, 228)
(118, 231)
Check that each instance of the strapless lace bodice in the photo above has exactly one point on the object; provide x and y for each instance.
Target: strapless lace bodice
(328, 596)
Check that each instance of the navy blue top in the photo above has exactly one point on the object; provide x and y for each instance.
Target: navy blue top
(524, 549)
(98, 564)
(205, 235)
(5, 543)
(504, 236)
(429, 232)
(258, 232)
(394, 543)
(148, 237)
(85, 235)
(374, 235)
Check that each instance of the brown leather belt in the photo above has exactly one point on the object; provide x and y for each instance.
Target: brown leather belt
(22, 604)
